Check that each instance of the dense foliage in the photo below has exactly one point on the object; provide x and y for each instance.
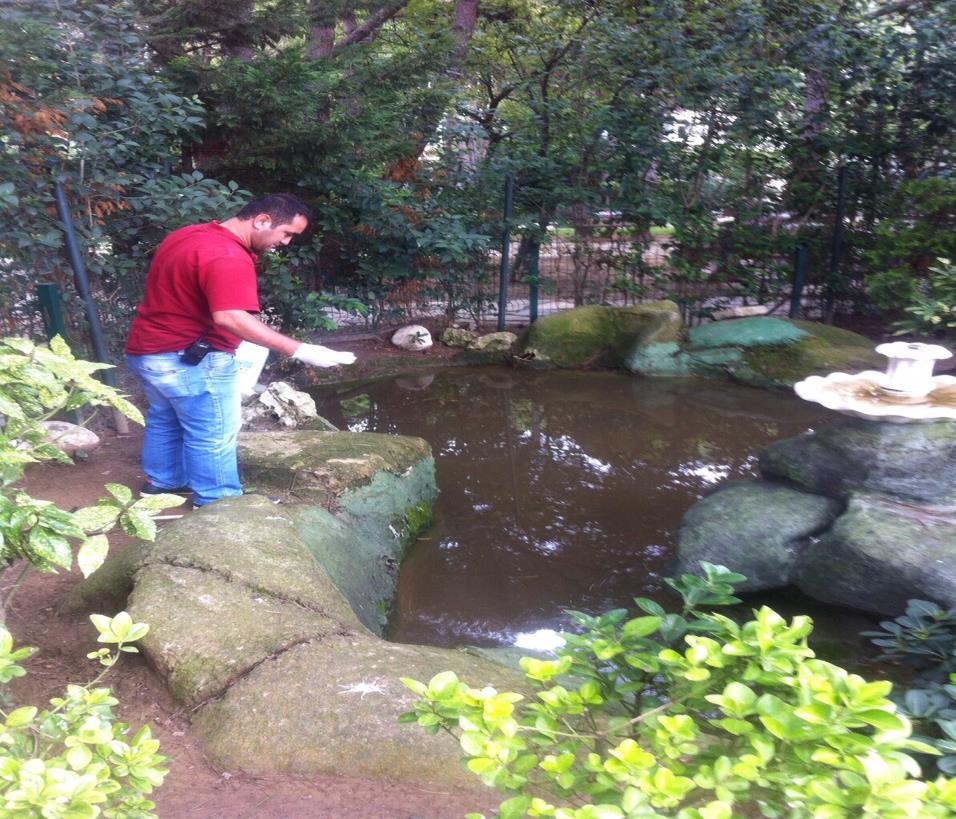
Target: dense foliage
(924, 639)
(399, 119)
(689, 715)
(37, 382)
(74, 759)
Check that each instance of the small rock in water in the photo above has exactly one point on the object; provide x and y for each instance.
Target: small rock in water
(412, 337)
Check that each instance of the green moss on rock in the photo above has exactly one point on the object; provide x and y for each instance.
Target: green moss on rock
(881, 553)
(822, 350)
(760, 331)
(756, 528)
(600, 336)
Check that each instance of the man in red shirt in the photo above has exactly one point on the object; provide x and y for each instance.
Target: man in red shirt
(201, 287)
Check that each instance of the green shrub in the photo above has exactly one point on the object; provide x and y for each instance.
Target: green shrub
(688, 715)
(73, 760)
(906, 243)
(925, 638)
(37, 382)
(932, 308)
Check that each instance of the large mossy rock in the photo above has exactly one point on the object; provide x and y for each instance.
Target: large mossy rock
(881, 553)
(255, 636)
(600, 336)
(763, 351)
(824, 349)
(330, 706)
(756, 528)
(914, 462)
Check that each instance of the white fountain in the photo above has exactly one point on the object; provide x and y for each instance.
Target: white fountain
(907, 392)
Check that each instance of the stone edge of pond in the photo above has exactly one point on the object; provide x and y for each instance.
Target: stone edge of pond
(272, 644)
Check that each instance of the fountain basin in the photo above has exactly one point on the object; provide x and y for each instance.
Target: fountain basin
(864, 395)
(907, 392)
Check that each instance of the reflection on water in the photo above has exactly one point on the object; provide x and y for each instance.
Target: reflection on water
(558, 489)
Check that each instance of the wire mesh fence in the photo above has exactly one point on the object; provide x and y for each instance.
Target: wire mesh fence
(599, 264)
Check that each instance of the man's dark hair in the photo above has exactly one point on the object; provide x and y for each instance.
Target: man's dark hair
(282, 207)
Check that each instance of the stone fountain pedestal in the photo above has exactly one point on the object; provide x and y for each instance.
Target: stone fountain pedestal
(861, 513)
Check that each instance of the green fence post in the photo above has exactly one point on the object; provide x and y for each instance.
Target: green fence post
(799, 279)
(505, 250)
(51, 309)
(533, 281)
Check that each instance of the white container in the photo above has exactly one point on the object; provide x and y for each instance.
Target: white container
(251, 358)
(910, 368)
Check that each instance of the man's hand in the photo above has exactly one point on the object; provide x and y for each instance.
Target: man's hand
(319, 356)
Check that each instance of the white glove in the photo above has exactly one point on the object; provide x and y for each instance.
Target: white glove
(319, 356)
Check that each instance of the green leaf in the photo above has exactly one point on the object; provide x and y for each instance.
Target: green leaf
(92, 553)
(96, 518)
(640, 627)
(138, 524)
(78, 757)
(20, 717)
(122, 493)
(514, 808)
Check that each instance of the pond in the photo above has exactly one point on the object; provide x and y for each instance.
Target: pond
(559, 489)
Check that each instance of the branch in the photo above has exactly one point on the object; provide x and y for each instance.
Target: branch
(370, 26)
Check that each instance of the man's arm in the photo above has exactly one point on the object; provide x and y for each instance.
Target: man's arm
(248, 327)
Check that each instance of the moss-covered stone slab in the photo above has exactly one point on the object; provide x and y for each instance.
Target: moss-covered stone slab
(319, 466)
(881, 553)
(205, 631)
(331, 707)
(250, 541)
(598, 335)
(756, 528)
(663, 359)
(914, 462)
(761, 331)
(364, 570)
(823, 350)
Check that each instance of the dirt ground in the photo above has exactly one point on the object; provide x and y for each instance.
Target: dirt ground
(194, 788)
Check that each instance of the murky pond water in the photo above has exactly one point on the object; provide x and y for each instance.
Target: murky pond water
(558, 489)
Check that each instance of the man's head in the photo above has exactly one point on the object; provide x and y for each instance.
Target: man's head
(273, 220)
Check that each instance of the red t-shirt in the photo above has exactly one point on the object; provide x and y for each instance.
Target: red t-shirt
(196, 270)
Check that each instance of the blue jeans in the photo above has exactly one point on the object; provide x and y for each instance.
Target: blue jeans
(192, 423)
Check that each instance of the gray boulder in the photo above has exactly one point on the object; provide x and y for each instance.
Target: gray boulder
(913, 462)
(881, 553)
(756, 528)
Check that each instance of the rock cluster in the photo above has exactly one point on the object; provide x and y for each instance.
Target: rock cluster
(860, 513)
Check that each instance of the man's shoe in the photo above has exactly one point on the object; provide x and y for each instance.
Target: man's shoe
(149, 489)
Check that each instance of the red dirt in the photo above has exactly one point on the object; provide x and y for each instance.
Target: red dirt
(194, 788)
